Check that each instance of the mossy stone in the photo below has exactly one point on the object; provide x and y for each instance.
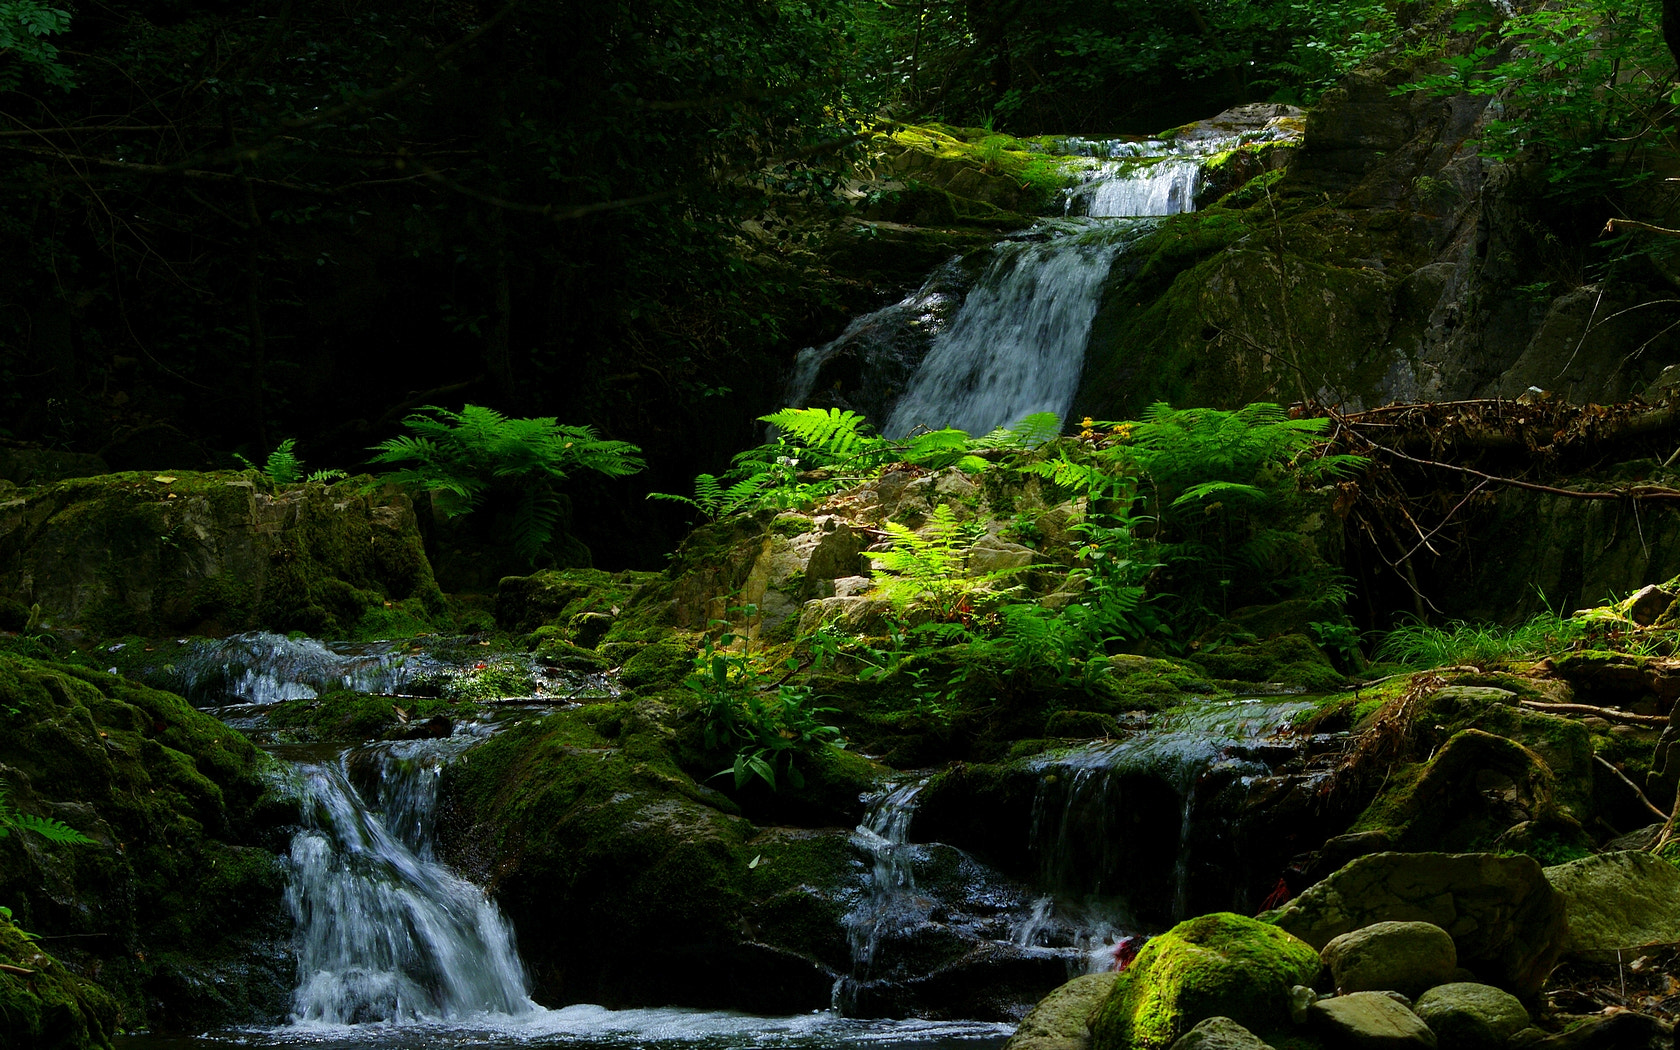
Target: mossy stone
(658, 666)
(1219, 965)
(47, 1007)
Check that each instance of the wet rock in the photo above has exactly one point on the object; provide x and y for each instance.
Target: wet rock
(1062, 1019)
(1618, 900)
(1648, 604)
(44, 1006)
(1506, 920)
(1220, 1033)
(1216, 965)
(1369, 1021)
(1406, 957)
(1472, 1016)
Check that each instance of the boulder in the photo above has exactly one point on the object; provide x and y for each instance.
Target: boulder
(1062, 1019)
(1220, 1033)
(1618, 900)
(1506, 920)
(1369, 1021)
(1472, 1016)
(153, 553)
(1219, 965)
(1405, 957)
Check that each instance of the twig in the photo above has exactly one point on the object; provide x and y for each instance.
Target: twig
(19, 970)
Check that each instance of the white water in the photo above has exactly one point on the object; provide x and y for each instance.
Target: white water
(384, 932)
(1165, 187)
(890, 904)
(1017, 346)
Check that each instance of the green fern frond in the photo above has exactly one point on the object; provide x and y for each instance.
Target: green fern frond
(831, 430)
(1221, 490)
(49, 829)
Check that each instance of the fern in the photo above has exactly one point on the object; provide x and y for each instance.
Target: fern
(1039, 428)
(46, 827)
(829, 431)
(460, 458)
(714, 501)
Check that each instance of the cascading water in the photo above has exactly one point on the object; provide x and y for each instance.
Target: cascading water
(1114, 821)
(1017, 343)
(385, 932)
(889, 902)
(1017, 346)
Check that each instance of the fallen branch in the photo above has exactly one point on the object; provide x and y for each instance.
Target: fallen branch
(19, 970)
(1618, 225)
(1601, 760)
(1609, 714)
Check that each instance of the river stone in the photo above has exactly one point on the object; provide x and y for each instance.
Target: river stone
(1220, 1033)
(1618, 900)
(1406, 957)
(1211, 966)
(1505, 918)
(1472, 1016)
(1369, 1021)
(1062, 1019)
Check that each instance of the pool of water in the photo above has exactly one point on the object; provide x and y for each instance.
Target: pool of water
(596, 1028)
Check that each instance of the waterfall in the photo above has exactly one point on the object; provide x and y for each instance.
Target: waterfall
(890, 903)
(385, 932)
(1165, 187)
(1017, 345)
(1115, 822)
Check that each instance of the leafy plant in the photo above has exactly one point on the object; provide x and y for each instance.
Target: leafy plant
(462, 457)
(25, 26)
(766, 726)
(46, 827)
(283, 467)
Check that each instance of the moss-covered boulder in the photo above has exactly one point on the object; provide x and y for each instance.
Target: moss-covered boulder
(598, 845)
(210, 553)
(43, 1005)
(1062, 1019)
(1219, 965)
(174, 909)
(1504, 917)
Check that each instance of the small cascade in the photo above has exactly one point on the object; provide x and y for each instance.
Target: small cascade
(1116, 821)
(890, 903)
(385, 933)
(1164, 187)
(1017, 346)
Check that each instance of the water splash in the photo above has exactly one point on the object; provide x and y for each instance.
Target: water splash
(385, 933)
(890, 903)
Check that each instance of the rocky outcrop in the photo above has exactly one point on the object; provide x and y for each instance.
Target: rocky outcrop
(213, 553)
(174, 909)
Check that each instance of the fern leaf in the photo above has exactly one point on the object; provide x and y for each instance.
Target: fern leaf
(49, 829)
(833, 431)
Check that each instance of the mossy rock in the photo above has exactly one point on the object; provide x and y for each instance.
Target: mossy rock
(590, 834)
(658, 666)
(1081, 724)
(1219, 965)
(557, 651)
(1289, 659)
(176, 904)
(635, 602)
(46, 1007)
(211, 553)
(350, 716)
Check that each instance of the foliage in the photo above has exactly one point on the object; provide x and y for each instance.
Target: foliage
(461, 457)
(767, 725)
(929, 567)
(816, 452)
(25, 26)
(46, 827)
(1585, 86)
(1423, 645)
(284, 468)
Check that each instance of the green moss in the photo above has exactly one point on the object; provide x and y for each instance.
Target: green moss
(1081, 724)
(48, 1007)
(1216, 965)
(350, 716)
(182, 867)
(1289, 659)
(658, 666)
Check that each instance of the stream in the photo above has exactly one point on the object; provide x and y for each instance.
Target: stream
(394, 950)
